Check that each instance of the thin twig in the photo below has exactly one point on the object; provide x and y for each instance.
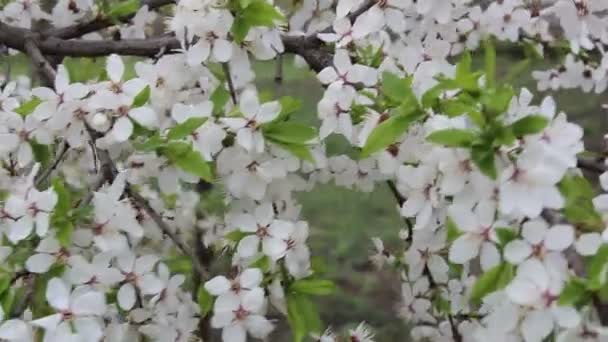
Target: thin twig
(44, 175)
(278, 74)
(228, 76)
(592, 165)
(400, 200)
(164, 227)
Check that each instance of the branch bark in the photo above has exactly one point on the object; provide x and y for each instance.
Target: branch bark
(100, 22)
(58, 42)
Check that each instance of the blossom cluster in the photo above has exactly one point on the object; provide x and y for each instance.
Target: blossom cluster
(503, 236)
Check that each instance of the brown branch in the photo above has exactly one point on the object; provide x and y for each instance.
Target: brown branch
(100, 22)
(45, 174)
(228, 75)
(40, 62)
(597, 166)
(55, 42)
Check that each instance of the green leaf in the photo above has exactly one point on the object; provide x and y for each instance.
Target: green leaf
(42, 153)
(236, 235)
(5, 282)
(298, 150)
(387, 132)
(8, 299)
(579, 209)
(505, 235)
(453, 231)
(492, 280)
(517, 70)
(483, 156)
(598, 269)
(290, 133)
(123, 9)
(244, 3)
(574, 293)
(62, 215)
(452, 137)
(463, 68)
(142, 98)
(257, 13)
(186, 128)
(457, 107)
(303, 316)
(149, 144)
(262, 263)
(192, 162)
(396, 88)
(530, 124)
(179, 264)
(28, 108)
(430, 99)
(289, 105)
(317, 287)
(497, 100)
(490, 62)
(219, 98)
(205, 301)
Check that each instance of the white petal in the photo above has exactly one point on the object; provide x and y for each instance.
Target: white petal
(58, 294)
(144, 116)
(39, 263)
(537, 326)
(465, 248)
(115, 68)
(222, 50)
(122, 130)
(517, 251)
(234, 333)
(14, 330)
(251, 277)
(248, 246)
(89, 303)
(126, 297)
(258, 326)
(559, 237)
(48, 323)
(218, 285)
(588, 244)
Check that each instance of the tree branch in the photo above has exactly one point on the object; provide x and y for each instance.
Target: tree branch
(57, 42)
(100, 22)
(41, 63)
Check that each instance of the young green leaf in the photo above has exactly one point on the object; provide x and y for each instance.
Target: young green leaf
(317, 287)
(303, 316)
(396, 88)
(530, 124)
(387, 132)
(205, 301)
(483, 156)
(123, 9)
(490, 62)
(298, 150)
(28, 107)
(290, 133)
(142, 98)
(492, 280)
(192, 162)
(574, 293)
(452, 137)
(598, 269)
(186, 128)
